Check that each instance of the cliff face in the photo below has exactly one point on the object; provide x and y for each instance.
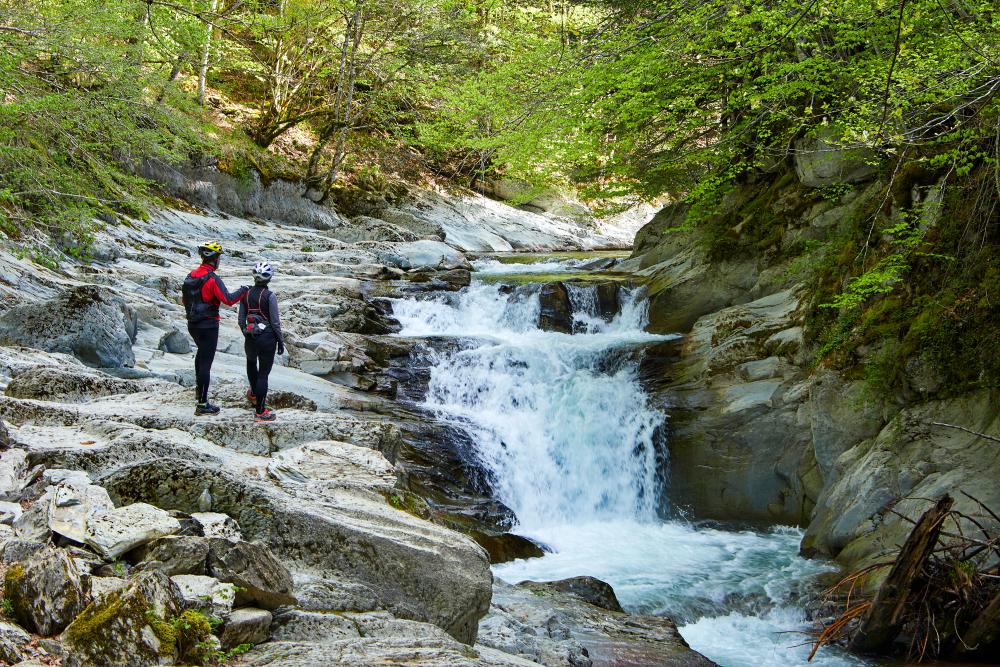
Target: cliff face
(786, 411)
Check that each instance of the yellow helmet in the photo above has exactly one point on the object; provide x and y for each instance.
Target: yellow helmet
(210, 249)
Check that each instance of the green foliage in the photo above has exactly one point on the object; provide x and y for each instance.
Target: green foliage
(6, 607)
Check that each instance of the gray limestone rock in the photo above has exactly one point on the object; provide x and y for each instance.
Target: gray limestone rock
(13, 643)
(113, 532)
(90, 322)
(246, 626)
(259, 576)
(175, 342)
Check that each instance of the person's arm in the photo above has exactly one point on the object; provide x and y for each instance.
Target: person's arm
(219, 291)
(243, 316)
(272, 308)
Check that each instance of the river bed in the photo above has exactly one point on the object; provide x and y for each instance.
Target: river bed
(573, 444)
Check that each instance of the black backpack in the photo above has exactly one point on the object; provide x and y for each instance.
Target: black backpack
(196, 307)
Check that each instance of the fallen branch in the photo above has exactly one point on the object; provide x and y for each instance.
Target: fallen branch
(967, 430)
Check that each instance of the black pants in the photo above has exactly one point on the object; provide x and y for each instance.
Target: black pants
(260, 359)
(207, 339)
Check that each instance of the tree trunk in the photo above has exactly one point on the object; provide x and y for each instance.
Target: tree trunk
(206, 53)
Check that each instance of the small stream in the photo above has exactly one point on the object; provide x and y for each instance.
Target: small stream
(573, 444)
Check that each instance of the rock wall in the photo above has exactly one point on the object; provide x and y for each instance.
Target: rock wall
(760, 430)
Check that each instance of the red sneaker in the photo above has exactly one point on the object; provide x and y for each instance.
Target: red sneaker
(266, 416)
(251, 397)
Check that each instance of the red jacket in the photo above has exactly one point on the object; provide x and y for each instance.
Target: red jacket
(214, 291)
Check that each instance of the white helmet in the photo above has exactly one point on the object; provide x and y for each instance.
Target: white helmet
(263, 271)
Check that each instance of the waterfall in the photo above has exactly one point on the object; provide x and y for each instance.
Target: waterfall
(564, 437)
(575, 447)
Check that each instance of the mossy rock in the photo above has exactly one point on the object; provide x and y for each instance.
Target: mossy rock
(128, 626)
(46, 591)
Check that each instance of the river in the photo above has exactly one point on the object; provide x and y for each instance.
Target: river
(573, 444)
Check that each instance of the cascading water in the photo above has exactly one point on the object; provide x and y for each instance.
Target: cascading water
(575, 447)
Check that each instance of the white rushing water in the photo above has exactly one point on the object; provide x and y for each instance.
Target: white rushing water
(575, 448)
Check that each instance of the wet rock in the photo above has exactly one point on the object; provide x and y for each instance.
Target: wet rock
(259, 576)
(113, 532)
(46, 591)
(505, 547)
(90, 322)
(175, 342)
(127, 626)
(206, 594)
(174, 555)
(608, 303)
(13, 644)
(556, 312)
(214, 524)
(246, 626)
(589, 589)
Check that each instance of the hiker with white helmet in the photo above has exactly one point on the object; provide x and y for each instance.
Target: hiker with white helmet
(261, 327)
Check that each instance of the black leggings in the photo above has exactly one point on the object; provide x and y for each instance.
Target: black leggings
(207, 339)
(260, 359)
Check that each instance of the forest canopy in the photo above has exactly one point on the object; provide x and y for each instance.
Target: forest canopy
(611, 98)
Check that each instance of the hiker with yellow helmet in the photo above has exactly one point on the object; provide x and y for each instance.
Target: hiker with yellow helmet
(203, 293)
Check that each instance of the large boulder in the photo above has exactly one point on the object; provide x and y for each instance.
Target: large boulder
(411, 567)
(113, 532)
(129, 626)
(556, 312)
(90, 322)
(180, 554)
(259, 576)
(206, 594)
(72, 504)
(46, 591)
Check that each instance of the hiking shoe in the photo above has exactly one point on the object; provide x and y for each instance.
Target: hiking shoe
(251, 397)
(266, 416)
(206, 409)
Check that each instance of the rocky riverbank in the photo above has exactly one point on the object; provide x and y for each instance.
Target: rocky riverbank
(135, 533)
(780, 415)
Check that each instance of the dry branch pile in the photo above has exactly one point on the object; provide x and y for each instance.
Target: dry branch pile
(941, 597)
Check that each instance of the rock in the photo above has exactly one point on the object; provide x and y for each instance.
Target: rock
(113, 532)
(259, 576)
(71, 507)
(298, 625)
(820, 161)
(246, 626)
(103, 585)
(556, 312)
(205, 501)
(214, 524)
(206, 594)
(589, 589)
(127, 627)
(90, 322)
(175, 342)
(13, 468)
(544, 624)
(4, 437)
(436, 575)
(33, 524)
(174, 555)
(9, 513)
(424, 229)
(64, 385)
(13, 550)
(46, 591)
(13, 643)
(423, 254)
(505, 547)
(608, 303)
(370, 639)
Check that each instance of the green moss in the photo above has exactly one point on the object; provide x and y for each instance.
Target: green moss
(408, 502)
(90, 627)
(11, 582)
